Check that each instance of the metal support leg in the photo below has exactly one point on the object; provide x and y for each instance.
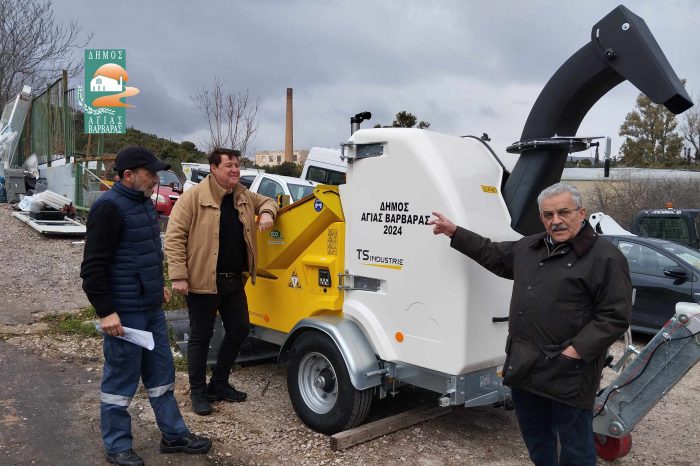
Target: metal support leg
(657, 368)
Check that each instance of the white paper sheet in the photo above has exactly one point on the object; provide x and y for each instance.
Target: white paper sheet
(132, 335)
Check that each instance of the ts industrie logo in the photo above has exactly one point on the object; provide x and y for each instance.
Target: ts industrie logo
(105, 89)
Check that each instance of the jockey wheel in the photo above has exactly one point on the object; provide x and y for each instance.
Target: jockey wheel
(612, 448)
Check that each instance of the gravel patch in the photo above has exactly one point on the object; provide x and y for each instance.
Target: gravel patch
(38, 273)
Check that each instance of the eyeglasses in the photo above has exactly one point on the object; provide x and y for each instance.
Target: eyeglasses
(562, 213)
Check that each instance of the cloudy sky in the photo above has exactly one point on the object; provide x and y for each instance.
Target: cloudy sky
(467, 67)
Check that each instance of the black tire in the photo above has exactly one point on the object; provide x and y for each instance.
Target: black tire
(332, 404)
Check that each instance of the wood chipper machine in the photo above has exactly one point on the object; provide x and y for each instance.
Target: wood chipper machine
(362, 297)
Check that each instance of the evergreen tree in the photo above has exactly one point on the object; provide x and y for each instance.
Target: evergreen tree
(405, 119)
(650, 136)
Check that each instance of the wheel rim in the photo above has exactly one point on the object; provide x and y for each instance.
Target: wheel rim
(317, 382)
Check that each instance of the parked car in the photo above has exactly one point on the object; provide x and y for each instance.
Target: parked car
(258, 181)
(272, 186)
(248, 176)
(663, 273)
(167, 192)
(198, 173)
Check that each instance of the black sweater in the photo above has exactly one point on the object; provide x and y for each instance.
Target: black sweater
(103, 232)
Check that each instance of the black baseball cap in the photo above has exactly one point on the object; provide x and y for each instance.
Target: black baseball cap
(136, 157)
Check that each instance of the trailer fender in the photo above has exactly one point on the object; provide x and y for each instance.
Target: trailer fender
(360, 359)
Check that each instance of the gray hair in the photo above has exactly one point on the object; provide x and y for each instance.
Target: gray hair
(558, 188)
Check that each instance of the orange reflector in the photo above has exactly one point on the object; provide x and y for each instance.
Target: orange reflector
(399, 337)
(266, 318)
(669, 205)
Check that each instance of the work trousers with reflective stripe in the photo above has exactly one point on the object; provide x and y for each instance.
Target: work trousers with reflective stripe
(125, 364)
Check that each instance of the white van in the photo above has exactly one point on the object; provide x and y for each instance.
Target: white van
(324, 166)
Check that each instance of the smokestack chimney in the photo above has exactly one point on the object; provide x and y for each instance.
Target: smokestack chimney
(289, 135)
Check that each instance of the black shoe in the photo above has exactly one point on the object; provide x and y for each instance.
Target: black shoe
(225, 392)
(125, 458)
(190, 443)
(200, 404)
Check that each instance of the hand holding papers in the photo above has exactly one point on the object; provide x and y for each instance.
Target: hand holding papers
(132, 335)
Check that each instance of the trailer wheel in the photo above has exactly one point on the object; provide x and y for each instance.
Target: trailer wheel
(320, 388)
(612, 448)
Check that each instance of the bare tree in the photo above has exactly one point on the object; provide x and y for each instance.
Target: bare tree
(34, 46)
(690, 129)
(232, 118)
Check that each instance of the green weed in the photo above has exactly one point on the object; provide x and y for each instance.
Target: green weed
(79, 323)
(180, 363)
(177, 301)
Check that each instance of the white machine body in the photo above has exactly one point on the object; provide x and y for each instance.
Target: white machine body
(432, 306)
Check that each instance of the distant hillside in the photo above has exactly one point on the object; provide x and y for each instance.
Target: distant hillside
(172, 152)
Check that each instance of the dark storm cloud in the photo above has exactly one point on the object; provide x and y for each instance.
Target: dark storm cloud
(465, 67)
(155, 108)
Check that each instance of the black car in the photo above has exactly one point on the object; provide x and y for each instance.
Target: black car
(663, 274)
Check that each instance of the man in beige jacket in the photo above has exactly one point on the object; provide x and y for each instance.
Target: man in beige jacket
(211, 250)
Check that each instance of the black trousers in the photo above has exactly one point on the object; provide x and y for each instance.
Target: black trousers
(232, 305)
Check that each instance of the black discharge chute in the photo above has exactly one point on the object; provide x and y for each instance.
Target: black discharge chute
(621, 48)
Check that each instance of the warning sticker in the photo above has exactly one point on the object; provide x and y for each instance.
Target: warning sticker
(332, 242)
(294, 280)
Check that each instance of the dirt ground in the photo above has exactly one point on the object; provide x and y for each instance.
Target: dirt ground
(262, 431)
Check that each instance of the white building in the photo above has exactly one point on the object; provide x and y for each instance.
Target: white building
(276, 157)
(104, 84)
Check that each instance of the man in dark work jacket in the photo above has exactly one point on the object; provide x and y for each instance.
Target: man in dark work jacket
(571, 300)
(122, 274)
